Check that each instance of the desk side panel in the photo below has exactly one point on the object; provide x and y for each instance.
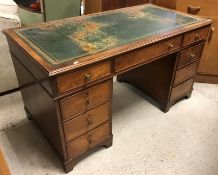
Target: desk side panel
(40, 107)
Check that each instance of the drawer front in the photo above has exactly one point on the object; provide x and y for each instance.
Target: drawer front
(86, 122)
(85, 100)
(83, 77)
(181, 89)
(140, 56)
(186, 73)
(89, 140)
(190, 55)
(195, 36)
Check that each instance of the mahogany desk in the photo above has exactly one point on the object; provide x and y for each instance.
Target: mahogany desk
(65, 69)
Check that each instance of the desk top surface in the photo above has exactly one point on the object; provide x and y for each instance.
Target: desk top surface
(71, 39)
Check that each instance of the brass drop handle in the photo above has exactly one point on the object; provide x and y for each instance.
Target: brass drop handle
(171, 46)
(87, 77)
(89, 121)
(193, 9)
(88, 101)
(197, 36)
(90, 140)
(212, 30)
(192, 55)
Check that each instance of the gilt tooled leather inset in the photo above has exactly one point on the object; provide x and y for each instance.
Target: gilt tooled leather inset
(66, 40)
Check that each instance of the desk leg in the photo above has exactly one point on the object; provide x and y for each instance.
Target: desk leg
(166, 107)
(28, 115)
(69, 165)
(189, 94)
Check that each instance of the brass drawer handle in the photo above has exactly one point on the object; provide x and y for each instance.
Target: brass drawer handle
(87, 77)
(89, 121)
(171, 46)
(192, 55)
(193, 10)
(90, 140)
(88, 101)
(197, 36)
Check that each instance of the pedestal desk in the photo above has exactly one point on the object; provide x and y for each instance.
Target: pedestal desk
(65, 69)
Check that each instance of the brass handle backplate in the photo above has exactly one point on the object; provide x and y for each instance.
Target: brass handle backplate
(197, 36)
(171, 46)
(90, 140)
(192, 55)
(89, 121)
(193, 9)
(87, 77)
(88, 101)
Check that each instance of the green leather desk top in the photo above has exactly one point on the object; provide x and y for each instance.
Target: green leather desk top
(66, 40)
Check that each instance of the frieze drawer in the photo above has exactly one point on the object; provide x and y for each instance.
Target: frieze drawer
(85, 100)
(89, 140)
(190, 55)
(83, 76)
(86, 122)
(148, 53)
(195, 36)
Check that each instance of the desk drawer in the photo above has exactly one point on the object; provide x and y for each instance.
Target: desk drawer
(85, 100)
(186, 73)
(195, 36)
(181, 89)
(83, 77)
(86, 122)
(190, 55)
(89, 140)
(141, 55)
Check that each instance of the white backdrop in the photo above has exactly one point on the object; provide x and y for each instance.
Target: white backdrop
(8, 7)
(8, 80)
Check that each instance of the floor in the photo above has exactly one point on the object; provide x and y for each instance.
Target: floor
(183, 141)
(6, 65)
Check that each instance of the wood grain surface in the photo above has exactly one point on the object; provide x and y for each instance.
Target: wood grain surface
(4, 170)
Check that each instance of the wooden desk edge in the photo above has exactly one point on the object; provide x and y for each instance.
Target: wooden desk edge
(69, 66)
(4, 170)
